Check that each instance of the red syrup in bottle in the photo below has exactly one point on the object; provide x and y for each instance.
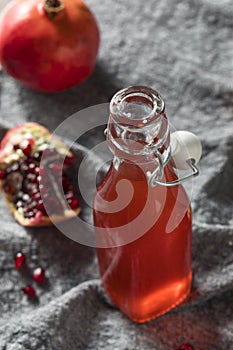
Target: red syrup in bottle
(143, 230)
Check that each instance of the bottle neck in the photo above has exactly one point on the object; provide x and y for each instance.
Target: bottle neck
(138, 130)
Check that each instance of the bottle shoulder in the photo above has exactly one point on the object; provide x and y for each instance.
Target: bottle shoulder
(134, 177)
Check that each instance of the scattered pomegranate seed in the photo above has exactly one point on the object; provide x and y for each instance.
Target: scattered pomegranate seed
(186, 347)
(20, 260)
(39, 275)
(29, 291)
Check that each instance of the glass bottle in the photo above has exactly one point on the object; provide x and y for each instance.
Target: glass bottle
(143, 226)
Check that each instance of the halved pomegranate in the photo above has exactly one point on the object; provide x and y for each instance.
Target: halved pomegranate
(31, 161)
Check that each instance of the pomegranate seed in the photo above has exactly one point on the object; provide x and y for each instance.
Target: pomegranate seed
(26, 148)
(19, 204)
(31, 168)
(36, 195)
(186, 347)
(31, 178)
(24, 167)
(2, 174)
(28, 160)
(37, 156)
(32, 205)
(16, 147)
(7, 188)
(14, 167)
(39, 275)
(29, 291)
(37, 170)
(29, 215)
(25, 197)
(69, 159)
(73, 203)
(20, 260)
(41, 207)
(20, 194)
(34, 190)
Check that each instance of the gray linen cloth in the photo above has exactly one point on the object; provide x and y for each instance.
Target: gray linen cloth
(183, 49)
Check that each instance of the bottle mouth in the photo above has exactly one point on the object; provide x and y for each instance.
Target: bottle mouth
(136, 103)
(137, 126)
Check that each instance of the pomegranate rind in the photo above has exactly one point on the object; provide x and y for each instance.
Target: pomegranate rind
(8, 155)
(33, 131)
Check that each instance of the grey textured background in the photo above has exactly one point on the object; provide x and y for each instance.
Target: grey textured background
(183, 49)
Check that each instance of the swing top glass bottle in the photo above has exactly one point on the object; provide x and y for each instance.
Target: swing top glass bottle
(143, 229)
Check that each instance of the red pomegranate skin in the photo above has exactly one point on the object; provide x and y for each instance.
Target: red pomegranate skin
(48, 54)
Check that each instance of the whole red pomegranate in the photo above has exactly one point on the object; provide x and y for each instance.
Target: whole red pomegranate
(48, 45)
